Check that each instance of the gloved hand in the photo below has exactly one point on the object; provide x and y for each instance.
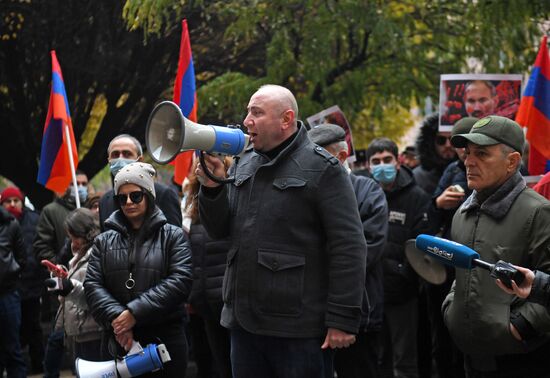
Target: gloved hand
(59, 286)
(67, 287)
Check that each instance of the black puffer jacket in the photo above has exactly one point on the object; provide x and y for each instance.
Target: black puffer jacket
(162, 273)
(12, 249)
(407, 205)
(432, 165)
(209, 257)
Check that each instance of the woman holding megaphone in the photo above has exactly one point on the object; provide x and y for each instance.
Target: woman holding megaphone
(139, 273)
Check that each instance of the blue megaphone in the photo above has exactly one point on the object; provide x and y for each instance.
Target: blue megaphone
(138, 361)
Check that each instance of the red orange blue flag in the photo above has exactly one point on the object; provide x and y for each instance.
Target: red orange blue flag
(534, 112)
(55, 171)
(185, 96)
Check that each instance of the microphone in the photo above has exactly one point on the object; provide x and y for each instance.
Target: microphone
(460, 256)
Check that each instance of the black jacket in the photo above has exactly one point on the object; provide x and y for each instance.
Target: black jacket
(162, 273)
(373, 210)
(12, 251)
(540, 291)
(297, 260)
(50, 230)
(32, 277)
(165, 198)
(407, 205)
(441, 219)
(209, 257)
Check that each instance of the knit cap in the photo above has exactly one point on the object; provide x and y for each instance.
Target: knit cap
(140, 174)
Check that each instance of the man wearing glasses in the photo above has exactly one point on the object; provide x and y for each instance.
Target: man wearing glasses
(435, 152)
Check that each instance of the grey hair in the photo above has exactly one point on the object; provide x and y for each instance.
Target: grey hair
(506, 150)
(338, 146)
(134, 140)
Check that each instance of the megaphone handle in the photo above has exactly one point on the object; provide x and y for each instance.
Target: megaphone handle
(210, 175)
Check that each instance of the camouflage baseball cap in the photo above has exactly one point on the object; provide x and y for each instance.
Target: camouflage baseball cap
(493, 130)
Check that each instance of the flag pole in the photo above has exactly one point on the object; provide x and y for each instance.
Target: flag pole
(71, 162)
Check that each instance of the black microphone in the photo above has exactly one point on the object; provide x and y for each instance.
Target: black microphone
(460, 256)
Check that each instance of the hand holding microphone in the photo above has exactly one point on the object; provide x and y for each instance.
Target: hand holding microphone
(522, 290)
(461, 256)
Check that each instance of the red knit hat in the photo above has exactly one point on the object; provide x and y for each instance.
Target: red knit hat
(10, 191)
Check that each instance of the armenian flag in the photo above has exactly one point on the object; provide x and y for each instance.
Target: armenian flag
(185, 96)
(55, 171)
(534, 112)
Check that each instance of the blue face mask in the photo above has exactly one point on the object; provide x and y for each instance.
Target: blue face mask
(116, 165)
(384, 173)
(82, 193)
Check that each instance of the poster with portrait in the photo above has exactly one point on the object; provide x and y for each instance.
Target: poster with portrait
(335, 116)
(477, 95)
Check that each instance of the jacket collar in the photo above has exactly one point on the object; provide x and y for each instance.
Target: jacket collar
(118, 222)
(299, 139)
(77, 262)
(498, 203)
(403, 179)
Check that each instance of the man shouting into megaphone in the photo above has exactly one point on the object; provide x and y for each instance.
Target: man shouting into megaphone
(295, 272)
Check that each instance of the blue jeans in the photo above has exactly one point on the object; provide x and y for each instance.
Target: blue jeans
(255, 356)
(11, 358)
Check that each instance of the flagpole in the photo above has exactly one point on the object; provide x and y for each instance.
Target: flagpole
(71, 162)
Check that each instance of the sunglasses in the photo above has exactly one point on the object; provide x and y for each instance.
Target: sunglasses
(135, 197)
(441, 140)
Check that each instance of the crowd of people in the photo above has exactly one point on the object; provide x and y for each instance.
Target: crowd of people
(297, 266)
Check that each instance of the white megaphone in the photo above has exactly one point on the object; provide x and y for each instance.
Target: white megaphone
(168, 133)
(138, 361)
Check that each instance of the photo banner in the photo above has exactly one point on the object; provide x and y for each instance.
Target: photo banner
(477, 95)
(335, 116)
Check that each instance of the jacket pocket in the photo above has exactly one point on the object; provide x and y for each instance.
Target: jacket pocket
(279, 283)
(229, 277)
(283, 183)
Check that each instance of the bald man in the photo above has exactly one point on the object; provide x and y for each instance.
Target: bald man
(295, 273)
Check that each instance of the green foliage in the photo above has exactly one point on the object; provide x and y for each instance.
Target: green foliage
(369, 57)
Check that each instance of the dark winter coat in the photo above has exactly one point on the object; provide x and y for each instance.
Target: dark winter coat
(431, 166)
(50, 230)
(373, 210)
(12, 252)
(407, 205)
(441, 219)
(162, 273)
(209, 257)
(165, 198)
(297, 259)
(513, 224)
(31, 284)
(540, 291)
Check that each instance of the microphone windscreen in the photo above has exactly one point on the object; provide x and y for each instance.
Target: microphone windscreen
(447, 251)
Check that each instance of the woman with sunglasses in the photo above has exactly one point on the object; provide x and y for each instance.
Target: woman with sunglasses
(139, 274)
